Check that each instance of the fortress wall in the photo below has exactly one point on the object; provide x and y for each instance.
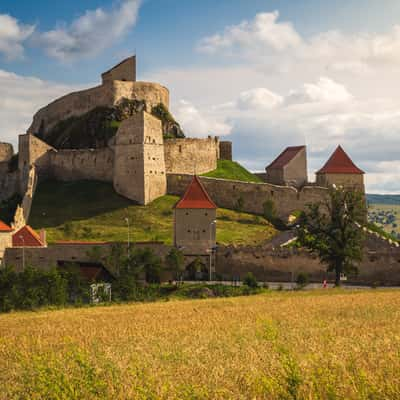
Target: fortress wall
(226, 194)
(153, 93)
(184, 156)
(6, 152)
(225, 150)
(9, 182)
(73, 104)
(108, 94)
(70, 165)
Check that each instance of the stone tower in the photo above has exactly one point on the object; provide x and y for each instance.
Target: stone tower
(289, 168)
(139, 165)
(340, 170)
(195, 214)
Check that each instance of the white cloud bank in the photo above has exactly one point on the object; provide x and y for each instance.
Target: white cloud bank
(20, 98)
(12, 37)
(91, 33)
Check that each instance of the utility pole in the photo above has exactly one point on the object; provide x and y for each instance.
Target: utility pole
(213, 223)
(23, 252)
(129, 236)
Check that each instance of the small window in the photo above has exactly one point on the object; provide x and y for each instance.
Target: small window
(180, 149)
(272, 193)
(206, 214)
(188, 230)
(187, 213)
(204, 231)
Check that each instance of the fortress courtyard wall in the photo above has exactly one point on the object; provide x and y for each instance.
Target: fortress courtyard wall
(251, 196)
(88, 164)
(106, 95)
(186, 156)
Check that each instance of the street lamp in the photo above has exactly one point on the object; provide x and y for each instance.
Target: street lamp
(129, 236)
(212, 223)
(23, 252)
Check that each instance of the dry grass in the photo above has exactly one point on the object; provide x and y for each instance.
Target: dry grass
(331, 345)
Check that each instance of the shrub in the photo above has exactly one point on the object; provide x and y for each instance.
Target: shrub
(250, 280)
(302, 280)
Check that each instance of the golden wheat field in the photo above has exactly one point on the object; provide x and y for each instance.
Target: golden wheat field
(281, 345)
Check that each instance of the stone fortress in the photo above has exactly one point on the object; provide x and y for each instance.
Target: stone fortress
(143, 164)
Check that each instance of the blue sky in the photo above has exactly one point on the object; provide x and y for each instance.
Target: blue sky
(266, 74)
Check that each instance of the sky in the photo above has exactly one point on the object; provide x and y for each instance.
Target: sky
(265, 74)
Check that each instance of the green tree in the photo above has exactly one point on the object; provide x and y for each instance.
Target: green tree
(174, 261)
(332, 229)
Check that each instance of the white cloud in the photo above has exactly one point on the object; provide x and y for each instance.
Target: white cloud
(325, 90)
(258, 98)
(91, 33)
(20, 98)
(12, 36)
(262, 31)
(198, 124)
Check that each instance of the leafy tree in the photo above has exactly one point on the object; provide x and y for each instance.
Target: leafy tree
(332, 229)
(250, 280)
(175, 262)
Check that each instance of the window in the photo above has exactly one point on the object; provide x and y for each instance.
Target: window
(272, 193)
(206, 214)
(180, 149)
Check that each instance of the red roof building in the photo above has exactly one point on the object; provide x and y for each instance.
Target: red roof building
(341, 171)
(289, 168)
(196, 197)
(340, 163)
(27, 237)
(195, 221)
(4, 227)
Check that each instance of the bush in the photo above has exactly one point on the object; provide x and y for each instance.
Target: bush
(302, 280)
(250, 280)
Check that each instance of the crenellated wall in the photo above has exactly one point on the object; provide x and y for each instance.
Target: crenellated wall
(226, 193)
(89, 164)
(186, 156)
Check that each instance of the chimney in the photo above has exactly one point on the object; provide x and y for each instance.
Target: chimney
(42, 235)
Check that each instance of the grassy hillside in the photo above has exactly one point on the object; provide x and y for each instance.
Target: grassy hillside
(89, 210)
(232, 170)
(283, 345)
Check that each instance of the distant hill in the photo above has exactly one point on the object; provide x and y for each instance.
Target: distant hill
(388, 199)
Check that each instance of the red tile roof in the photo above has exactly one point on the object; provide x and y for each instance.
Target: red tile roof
(26, 237)
(4, 227)
(195, 196)
(340, 163)
(285, 157)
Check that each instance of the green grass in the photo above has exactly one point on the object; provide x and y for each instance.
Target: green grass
(89, 210)
(233, 171)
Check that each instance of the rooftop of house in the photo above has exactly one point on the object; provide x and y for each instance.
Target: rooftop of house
(196, 196)
(4, 227)
(285, 157)
(26, 237)
(340, 163)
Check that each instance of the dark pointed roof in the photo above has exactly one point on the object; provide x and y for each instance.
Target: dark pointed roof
(340, 163)
(4, 227)
(285, 157)
(195, 196)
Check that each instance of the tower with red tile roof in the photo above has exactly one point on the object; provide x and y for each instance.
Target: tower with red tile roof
(194, 225)
(340, 170)
(289, 168)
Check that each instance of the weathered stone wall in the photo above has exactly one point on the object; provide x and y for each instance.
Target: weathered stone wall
(47, 257)
(6, 152)
(186, 156)
(5, 242)
(350, 181)
(9, 182)
(139, 166)
(194, 231)
(32, 151)
(108, 94)
(380, 264)
(225, 150)
(90, 164)
(124, 71)
(226, 193)
(152, 93)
